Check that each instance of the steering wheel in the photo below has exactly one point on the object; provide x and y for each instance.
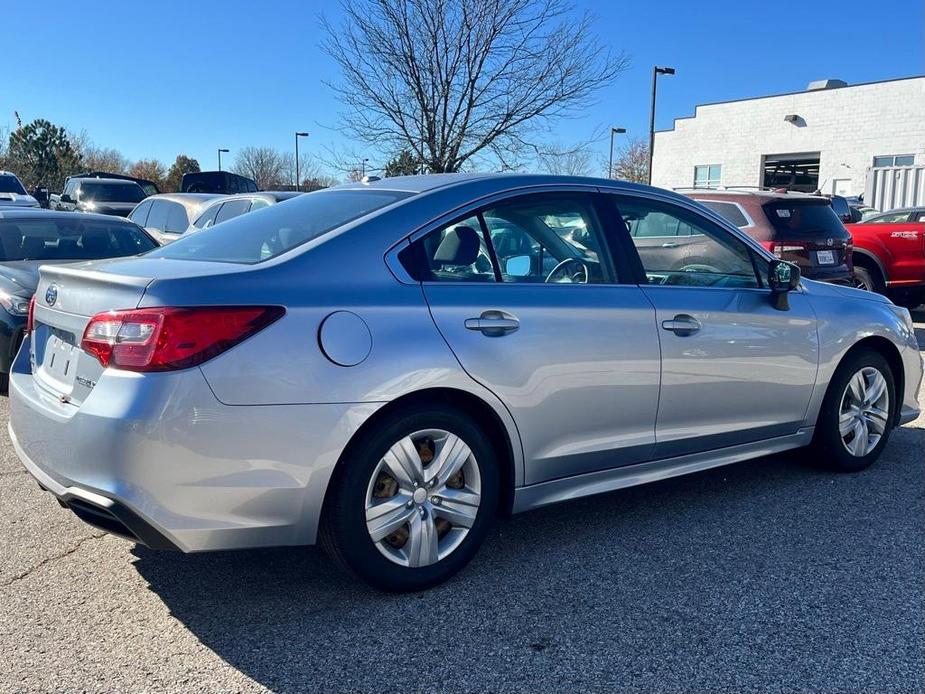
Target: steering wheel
(563, 273)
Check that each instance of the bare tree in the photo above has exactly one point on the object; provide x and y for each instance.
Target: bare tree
(455, 79)
(267, 166)
(632, 163)
(150, 170)
(556, 159)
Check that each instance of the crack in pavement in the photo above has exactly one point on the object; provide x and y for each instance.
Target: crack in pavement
(49, 560)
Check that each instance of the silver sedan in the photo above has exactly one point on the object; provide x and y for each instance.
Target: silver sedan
(386, 367)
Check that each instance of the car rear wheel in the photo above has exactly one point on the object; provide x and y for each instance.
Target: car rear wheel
(857, 413)
(411, 501)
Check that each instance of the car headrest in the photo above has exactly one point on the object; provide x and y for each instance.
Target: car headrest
(460, 246)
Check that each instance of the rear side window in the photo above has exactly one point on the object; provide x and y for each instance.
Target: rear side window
(810, 218)
(280, 228)
(727, 210)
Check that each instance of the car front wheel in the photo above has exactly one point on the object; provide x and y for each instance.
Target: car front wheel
(412, 499)
(857, 413)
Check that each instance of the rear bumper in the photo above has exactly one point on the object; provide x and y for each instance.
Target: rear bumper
(156, 458)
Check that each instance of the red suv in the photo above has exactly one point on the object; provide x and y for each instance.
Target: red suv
(798, 228)
(889, 255)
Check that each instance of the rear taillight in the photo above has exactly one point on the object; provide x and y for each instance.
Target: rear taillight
(30, 317)
(779, 249)
(166, 339)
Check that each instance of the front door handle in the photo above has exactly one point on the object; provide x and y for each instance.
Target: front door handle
(670, 244)
(493, 323)
(682, 325)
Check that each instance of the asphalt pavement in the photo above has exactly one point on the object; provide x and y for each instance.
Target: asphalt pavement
(766, 576)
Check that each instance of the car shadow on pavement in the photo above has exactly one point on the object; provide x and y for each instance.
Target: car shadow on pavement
(768, 573)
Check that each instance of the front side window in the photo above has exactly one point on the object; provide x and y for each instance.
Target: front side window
(280, 228)
(709, 256)
(707, 176)
(543, 238)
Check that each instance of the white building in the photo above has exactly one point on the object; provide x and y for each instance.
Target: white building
(833, 137)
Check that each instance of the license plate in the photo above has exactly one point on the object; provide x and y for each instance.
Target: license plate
(825, 257)
(60, 361)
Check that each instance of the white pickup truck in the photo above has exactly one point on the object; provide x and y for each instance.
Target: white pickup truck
(13, 193)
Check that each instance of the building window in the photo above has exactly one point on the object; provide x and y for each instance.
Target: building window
(894, 160)
(707, 176)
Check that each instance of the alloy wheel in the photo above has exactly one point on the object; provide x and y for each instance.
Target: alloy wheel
(865, 411)
(423, 497)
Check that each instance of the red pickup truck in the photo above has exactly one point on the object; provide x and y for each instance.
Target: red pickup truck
(889, 255)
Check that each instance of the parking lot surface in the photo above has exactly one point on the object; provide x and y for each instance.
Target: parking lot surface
(769, 575)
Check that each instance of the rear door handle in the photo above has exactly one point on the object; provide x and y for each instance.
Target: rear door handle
(493, 323)
(682, 325)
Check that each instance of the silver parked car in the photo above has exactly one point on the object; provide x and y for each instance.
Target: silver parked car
(167, 215)
(235, 205)
(386, 367)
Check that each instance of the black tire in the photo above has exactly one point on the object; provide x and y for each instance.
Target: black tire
(867, 280)
(343, 533)
(827, 447)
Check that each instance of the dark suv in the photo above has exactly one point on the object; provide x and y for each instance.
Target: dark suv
(798, 228)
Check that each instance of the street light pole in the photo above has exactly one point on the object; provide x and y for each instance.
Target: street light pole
(613, 131)
(220, 150)
(656, 71)
(298, 181)
(363, 168)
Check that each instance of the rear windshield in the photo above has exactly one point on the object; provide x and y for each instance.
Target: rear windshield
(70, 239)
(266, 233)
(112, 192)
(809, 218)
(11, 184)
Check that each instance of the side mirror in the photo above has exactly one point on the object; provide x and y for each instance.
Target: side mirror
(66, 198)
(517, 266)
(783, 278)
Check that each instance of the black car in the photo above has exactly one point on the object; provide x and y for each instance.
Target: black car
(150, 187)
(223, 182)
(31, 238)
(113, 196)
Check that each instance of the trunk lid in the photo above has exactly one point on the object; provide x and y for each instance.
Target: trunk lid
(65, 299)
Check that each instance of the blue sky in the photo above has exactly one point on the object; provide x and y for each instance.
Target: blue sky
(170, 77)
